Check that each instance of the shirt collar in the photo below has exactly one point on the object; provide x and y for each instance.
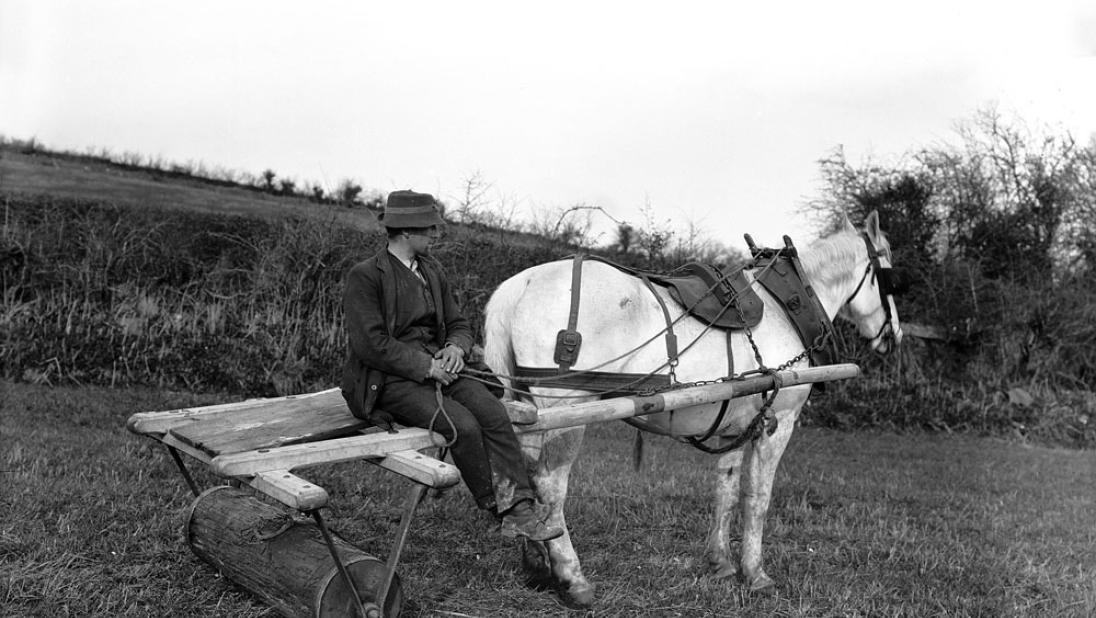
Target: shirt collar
(410, 264)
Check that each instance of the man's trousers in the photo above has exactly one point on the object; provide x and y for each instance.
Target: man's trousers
(486, 450)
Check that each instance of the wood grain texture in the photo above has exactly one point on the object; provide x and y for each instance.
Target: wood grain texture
(282, 560)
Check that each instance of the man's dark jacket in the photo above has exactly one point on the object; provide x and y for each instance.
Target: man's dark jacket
(375, 324)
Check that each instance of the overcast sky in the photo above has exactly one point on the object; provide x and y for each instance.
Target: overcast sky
(714, 115)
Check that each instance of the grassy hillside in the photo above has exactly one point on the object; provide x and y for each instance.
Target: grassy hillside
(92, 179)
(120, 276)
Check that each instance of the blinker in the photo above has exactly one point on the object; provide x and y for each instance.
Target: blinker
(893, 281)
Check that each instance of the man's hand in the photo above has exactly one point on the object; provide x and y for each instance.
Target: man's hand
(439, 374)
(452, 358)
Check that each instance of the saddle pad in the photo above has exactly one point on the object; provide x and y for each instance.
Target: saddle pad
(266, 426)
(712, 296)
(704, 292)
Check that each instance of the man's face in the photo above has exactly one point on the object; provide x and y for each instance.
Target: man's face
(422, 238)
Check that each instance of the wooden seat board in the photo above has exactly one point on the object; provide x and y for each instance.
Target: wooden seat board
(153, 423)
(279, 424)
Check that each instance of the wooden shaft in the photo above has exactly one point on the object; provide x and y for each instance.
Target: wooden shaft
(626, 407)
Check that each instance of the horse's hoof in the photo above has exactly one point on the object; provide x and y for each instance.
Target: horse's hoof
(578, 596)
(763, 585)
(723, 570)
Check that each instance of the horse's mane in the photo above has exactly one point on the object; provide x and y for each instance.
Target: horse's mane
(829, 261)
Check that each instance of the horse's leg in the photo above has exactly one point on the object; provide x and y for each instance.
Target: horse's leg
(761, 460)
(728, 472)
(556, 454)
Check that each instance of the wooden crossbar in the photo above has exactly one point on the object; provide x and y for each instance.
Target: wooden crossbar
(420, 468)
(290, 489)
(337, 450)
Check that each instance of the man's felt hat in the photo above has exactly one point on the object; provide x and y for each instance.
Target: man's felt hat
(410, 209)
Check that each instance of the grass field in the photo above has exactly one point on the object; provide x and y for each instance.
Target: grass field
(862, 524)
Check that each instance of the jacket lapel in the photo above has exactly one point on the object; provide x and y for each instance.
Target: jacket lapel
(388, 287)
(434, 283)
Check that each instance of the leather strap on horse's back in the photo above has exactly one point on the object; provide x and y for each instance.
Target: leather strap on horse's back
(569, 340)
(671, 338)
(606, 384)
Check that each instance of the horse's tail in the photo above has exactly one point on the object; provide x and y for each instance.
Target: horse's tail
(498, 347)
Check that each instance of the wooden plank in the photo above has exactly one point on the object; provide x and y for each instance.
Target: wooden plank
(161, 422)
(289, 423)
(336, 450)
(290, 489)
(626, 407)
(421, 468)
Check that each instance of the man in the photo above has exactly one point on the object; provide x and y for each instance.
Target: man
(407, 338)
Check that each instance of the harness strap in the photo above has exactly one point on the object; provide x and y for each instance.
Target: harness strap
(576, 289)
(725, 405)
(763, 422)
(627, 383)
(873, 263)
(569, 340)
(671, 338)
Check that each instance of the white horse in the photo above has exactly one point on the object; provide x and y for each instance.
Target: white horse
(617, 313)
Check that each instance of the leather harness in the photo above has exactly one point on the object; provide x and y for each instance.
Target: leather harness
(707, 294)
(726, 301)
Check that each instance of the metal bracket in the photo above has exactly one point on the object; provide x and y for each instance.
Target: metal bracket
(182, 468)
(365, 610)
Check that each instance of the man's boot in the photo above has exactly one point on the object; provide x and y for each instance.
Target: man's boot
(522, 520)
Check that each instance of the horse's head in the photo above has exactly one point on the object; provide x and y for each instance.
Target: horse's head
(871, 304)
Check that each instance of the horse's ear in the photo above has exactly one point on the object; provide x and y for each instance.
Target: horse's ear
(871, 225)
(846, 222)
